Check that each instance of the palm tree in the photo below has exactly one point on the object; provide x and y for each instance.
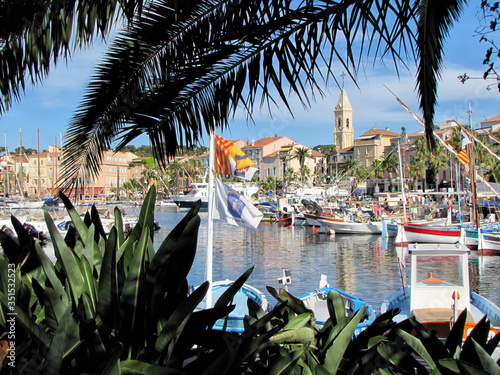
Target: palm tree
(301, 153)
(390, 164)
(35, 36)
(416, 170)
(377, 170)
(180, 70)
(175, 167)
(290, 175)
(284, 159)
(163, 71)
(305, 172)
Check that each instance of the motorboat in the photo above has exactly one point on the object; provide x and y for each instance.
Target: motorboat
(436, 300)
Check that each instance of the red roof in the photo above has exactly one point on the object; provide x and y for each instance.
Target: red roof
(493, 119)
(262, 142)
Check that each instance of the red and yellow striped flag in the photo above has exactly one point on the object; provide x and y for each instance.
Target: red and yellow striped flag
(462, 156)
(230, 160)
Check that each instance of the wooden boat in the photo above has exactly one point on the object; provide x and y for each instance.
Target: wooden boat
(489, 244)
(312, 219)
(436, 302)
(352, 227)
(470, 236)
(316, 301)
(235, 318)
(428, 234)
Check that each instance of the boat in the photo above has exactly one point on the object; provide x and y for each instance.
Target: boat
(413, 233)
(312, 219)
(199, 191)
(316, 301)
(489, 244)
(353, 227)
(469, 236)
(234, 321)
(437, 303)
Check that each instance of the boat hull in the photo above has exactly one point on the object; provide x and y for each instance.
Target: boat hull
(375, 227)
(317, 302)
(234, 321)
(426, 234)
(490, 244)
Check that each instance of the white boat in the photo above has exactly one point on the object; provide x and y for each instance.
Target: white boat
(489, 244)
(351, 227)
(428, 234)
(316, 301)
(198, 191)
(435, 302)
(234, 321)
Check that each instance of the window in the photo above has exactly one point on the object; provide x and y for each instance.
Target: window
(347, 122)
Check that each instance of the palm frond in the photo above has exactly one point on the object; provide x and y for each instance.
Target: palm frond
(35, 35)
(434, 21)
(181, 71)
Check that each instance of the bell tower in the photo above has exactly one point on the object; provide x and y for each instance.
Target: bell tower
(343, 130)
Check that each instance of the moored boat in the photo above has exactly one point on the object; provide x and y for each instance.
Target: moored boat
(234, 321)
(351, 227)
(489, 244)
(428, 234)
(198, 192)
(435, 302)
(316, 300)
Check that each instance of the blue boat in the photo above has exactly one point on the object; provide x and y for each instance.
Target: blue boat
(316, 301)
(235, 319)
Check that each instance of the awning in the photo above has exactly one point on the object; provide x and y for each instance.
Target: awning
(359, 191)
(286, 148)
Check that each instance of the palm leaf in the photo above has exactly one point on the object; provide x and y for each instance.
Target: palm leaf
(435, 19)
(181, 71)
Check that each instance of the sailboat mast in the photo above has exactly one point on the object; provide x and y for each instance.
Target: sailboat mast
(474, 215)
(38, 155)
(402, 180)
(21, 158)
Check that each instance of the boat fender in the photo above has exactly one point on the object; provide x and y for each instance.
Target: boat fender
(453, 295)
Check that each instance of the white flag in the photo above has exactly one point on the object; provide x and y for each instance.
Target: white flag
(234, 208)
(465, 139)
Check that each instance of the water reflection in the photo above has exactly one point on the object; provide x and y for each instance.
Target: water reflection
(366, 266)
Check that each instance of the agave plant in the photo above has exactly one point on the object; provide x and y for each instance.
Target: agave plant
(111, 304)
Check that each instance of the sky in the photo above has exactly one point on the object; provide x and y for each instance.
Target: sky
(43, 114)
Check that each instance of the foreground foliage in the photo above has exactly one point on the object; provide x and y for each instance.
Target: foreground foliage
(112, 305)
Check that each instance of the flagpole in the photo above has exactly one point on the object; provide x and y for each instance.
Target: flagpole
(210, 230)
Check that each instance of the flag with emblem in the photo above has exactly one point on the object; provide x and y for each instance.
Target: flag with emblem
(231, 160)
(234, 208)
(465, 139)
(463, 157)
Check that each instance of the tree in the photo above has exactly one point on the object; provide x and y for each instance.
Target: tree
(377, 170)
(36, 35)
(390, 164)
(490, 18)
(163, 71)
(161, 75)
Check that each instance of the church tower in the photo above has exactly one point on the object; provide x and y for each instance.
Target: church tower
(343, 131)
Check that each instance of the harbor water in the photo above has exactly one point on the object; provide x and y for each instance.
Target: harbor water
(364, 265)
